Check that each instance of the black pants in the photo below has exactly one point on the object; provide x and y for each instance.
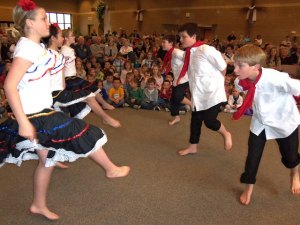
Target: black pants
(178, 94)
(288, 148)
(209, 116)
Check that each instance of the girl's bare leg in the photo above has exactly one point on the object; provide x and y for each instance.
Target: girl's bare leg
(96, 108)
(61, 165)
(227, 137)
(295, 182)
(112, 171)
(245, 197)
(41, 182)
(104, 104)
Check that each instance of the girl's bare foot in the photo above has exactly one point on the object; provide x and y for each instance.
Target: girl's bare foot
(44, 212)
(121, 171)
(245, 197)
(108, 106)
(227, 141)
(174, 121)
(61, 165)
(192, 149)
(112, 122)
(295, 182)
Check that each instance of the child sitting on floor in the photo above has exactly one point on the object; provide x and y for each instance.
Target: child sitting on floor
(235, 100)
(150, 96)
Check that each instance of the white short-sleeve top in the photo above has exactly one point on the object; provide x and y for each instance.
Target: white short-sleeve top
(69, 54)
(205, 78)
(34, 88)
(57, 77)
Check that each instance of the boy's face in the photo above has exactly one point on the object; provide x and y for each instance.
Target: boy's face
(116, 84)
(151, 86)
(169, 78)
(166, 45)
(235, 93)
(187, 40)
(244, 70)
(133, 84)
(91, 79)
(166, 85)
(109, 79)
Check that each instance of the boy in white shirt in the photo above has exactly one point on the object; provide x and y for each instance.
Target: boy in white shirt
(270, 93)
(206, 69)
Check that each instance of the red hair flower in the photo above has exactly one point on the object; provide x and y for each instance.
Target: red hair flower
(55, 25)
(27, 5)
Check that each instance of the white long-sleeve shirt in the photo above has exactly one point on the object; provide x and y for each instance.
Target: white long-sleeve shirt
(176, 65)
(205, 78)
(274, 108)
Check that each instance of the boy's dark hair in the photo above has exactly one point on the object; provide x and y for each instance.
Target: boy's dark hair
(191, 29)
(167, 81)
(151, 80)
(171, 74)
(170, 38)
(117, 78)
(135, 80)
(108, 73)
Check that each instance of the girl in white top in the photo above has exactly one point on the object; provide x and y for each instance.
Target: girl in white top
(74, 82)
(275, 115)
(36, 131)
(65, 98)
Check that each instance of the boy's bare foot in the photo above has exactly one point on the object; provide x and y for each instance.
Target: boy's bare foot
(112, 122)
(61, 165)
(121, 171)
(227, 141)
(44, 212)
(174, 121)
(245, 197)
(295, 183)
(192, 149)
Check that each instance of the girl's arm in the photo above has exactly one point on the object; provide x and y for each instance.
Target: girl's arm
(16, 72)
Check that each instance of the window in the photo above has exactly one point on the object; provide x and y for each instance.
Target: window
(63, 20)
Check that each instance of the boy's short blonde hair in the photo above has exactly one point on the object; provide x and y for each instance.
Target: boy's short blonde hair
(250, 54)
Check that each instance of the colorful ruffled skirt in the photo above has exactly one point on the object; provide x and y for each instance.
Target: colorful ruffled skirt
(65, 138)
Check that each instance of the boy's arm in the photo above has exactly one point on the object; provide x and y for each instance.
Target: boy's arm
(293, 86)
(121, 92)
(110, 95)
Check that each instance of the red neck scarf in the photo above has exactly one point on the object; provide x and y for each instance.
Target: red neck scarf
(166, 67)
(247, 103)
(187, 59)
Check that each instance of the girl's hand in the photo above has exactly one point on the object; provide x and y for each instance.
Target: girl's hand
(27, 130)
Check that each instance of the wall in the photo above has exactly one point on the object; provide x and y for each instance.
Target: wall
(275, 18)
(65, 6)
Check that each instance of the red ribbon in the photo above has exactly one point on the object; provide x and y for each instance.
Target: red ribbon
(166, 67)
(248, 85)
(187, 59)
